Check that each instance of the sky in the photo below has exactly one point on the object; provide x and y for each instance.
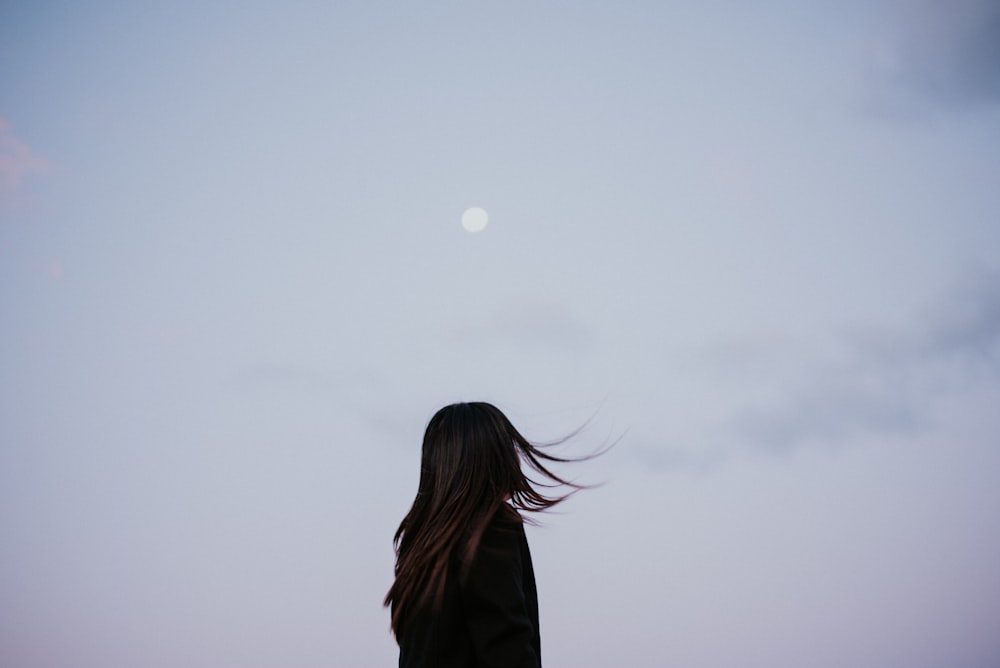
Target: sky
(753, 244)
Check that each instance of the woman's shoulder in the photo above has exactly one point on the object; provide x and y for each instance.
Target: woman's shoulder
(501, 533)
(506, 518)
(504, 531)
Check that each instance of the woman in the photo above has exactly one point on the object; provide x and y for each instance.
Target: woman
(464, 594)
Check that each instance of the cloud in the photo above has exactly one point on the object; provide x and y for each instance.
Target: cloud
(528, 323)
(269, 378)
(966, 330)
(17, 160)
(946, 54)
(881, 383)
(888, 379)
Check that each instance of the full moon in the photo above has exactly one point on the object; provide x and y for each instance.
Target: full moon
(475, 219)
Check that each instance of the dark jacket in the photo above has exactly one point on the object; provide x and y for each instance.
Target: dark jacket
(488, 619)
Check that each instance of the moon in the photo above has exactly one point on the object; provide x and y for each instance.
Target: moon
(475, 219)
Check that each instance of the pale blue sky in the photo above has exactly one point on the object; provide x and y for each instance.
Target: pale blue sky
(758, 239)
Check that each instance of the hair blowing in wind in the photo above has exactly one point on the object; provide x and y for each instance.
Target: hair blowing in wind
(470, 472)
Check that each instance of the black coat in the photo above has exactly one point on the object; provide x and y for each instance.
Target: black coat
(488, 619)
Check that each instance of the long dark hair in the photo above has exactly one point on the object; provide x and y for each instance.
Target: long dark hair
(470, 470)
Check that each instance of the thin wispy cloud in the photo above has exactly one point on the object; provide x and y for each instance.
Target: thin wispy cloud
(527, 323)
(17, 160)
(875, 383)
(271, 378)
(966, 328)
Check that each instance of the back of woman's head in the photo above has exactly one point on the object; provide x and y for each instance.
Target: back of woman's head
(469, 460)
(470, 471)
